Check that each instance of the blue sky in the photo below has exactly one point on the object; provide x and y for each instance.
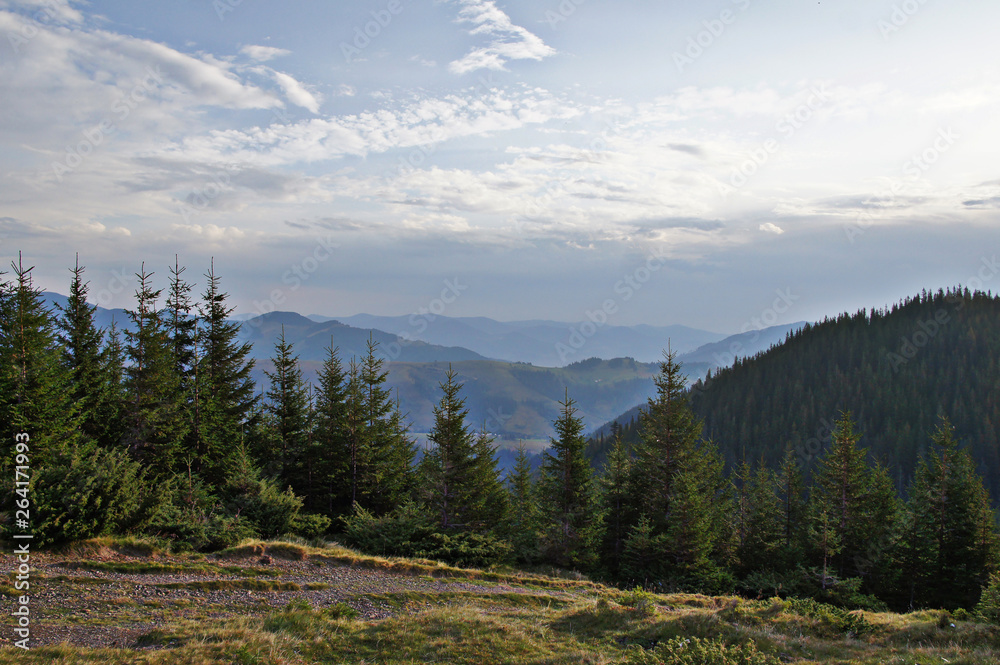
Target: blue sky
(667, 162)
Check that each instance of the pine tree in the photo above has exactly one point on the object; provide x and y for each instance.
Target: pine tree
(86, 360)
(565, 491)
(762, 528)
(678, 483)
(792, 512)
(288, 410)
(386, 480)
(860, 503)
(523, 518)
(948, 512)
(613, 501)
(223, 389)
(668, 445)
(36, 397)
(182, 326)
(156, 423)
(446, 468)
(487, 498)
(330, 479)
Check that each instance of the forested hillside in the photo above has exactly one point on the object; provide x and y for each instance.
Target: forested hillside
(896, 369)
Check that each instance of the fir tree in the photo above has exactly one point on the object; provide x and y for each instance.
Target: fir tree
(445, 467)
(36, 397)
(523, 522)
(223, 399)
(947, 513)
(613, 501)
(155, 413)
(86, 359)
(386, 480)
(288, 415)
(330, 480)
(565, 492)
(792, 511)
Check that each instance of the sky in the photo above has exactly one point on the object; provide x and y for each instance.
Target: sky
(723, 165)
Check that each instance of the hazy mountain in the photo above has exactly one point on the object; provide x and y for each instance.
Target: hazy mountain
(545, 343)
(311, 340)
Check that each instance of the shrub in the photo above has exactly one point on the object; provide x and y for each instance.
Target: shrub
(88, 492)
(697, 651)
(408, 532)
(989, 602)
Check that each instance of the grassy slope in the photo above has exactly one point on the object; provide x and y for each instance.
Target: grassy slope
(494, 618)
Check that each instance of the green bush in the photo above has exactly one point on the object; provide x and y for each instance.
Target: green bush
(697, 651)
(989, 602)
(88, 492)
(840, 619)
(310, 526)
(409, 532)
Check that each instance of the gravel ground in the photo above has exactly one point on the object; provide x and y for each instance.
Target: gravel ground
(95, 608)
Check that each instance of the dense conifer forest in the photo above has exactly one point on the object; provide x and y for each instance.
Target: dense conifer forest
(160, 431)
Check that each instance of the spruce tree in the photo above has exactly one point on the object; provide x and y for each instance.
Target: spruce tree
(523, 522)
(565, 492)
(330, 481)
(36, 397)
(288, 416)
(446, 468)
(613, 501)
(948, 511)
(86, 359)
(155, 418)
(223, 395)
(792, 504)
(386, 480)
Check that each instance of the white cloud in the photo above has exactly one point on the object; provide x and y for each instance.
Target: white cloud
(509, 41)
(263, 53)
(296, 92)
(46, 11)
(771, 228)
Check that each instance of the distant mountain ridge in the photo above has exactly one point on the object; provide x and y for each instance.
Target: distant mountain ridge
(539, 342)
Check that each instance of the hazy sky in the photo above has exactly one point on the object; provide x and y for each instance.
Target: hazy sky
(704, 163)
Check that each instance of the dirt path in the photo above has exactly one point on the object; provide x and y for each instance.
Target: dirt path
(106, 602)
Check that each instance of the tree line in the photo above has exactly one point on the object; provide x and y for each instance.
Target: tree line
(158, 429)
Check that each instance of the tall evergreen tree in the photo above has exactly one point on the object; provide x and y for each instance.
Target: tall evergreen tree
(947, 513)
(36, 397)
(223, 397)
(792, 504)
(565, 491)
(330, 474)
(288, 410)
(156, 423)
(87, 360)
(613, 501)
(857, 500)
(523, 522)
(677, 481)
(387, 478)
(444, 468)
